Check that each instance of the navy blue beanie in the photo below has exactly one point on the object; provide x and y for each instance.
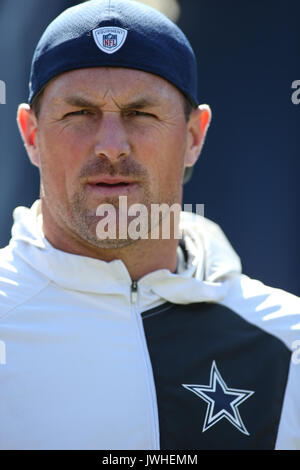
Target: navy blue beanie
(115, 33)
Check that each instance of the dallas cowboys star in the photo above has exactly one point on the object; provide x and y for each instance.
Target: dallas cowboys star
(223, 402)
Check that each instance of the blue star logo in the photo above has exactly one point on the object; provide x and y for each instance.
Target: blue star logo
(223, 402)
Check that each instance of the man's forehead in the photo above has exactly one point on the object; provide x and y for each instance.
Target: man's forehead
(105, 82)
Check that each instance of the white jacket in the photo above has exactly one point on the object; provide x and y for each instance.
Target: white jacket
(204, 359)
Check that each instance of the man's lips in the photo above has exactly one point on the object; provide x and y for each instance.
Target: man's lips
(109, 181)
(111, 186)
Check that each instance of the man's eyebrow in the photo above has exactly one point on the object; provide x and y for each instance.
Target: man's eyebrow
(78, 101)
(141, 103)
(138, 103)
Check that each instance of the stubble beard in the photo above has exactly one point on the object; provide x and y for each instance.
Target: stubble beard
(82, 221)
(85, 221)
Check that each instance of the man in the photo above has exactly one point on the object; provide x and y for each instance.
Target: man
(131, 342)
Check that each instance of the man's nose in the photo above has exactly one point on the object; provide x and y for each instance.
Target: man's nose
(112, 138)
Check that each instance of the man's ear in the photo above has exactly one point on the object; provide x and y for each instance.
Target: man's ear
(27, 123)
(198, 125)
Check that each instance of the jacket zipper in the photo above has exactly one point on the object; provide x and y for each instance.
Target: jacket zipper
(147, 366)
(134, 290)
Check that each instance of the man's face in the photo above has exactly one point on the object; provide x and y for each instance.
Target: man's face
(104, 133)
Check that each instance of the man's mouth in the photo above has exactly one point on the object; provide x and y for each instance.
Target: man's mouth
(111, 186)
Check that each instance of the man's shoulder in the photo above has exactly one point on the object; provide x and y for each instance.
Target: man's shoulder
(273, 310)
(18, 281)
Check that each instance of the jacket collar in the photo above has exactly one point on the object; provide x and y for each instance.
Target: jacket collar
(211, 263)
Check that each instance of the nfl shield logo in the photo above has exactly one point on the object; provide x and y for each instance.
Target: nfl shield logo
(110, 39)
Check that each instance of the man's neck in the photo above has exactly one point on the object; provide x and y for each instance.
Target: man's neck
(140, 258)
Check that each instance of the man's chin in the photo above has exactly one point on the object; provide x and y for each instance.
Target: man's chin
(108, 233)
(111, 244)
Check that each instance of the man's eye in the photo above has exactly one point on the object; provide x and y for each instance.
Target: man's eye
(134, 113)
(82, 112)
